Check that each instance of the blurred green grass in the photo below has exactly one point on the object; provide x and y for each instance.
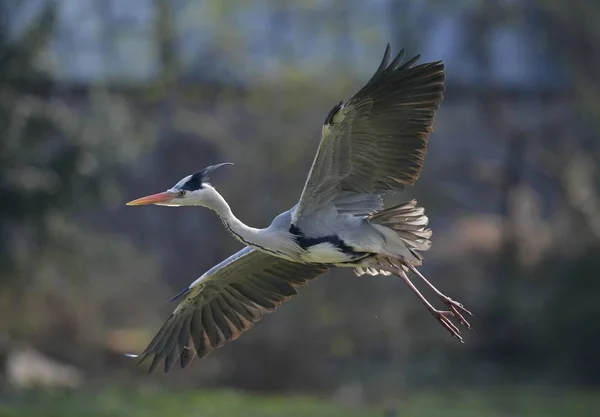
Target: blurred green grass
(115, 403)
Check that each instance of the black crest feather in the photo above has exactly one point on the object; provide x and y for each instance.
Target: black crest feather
(198, 179)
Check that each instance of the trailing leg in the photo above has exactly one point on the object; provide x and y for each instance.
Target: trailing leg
(457, 308)
(442, 316)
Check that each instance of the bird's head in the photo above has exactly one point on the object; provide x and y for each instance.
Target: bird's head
(193, 190)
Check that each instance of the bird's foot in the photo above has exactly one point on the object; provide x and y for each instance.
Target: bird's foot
(457, 310)
(444, 318)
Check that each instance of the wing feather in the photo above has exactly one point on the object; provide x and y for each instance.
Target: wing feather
(377, 141)
(226, 301)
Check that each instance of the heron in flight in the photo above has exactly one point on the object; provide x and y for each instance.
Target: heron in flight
(371, 145)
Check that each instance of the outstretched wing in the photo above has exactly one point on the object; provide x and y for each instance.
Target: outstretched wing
(224, 302)
(376, 142)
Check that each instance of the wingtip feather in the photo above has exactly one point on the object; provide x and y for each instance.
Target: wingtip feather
(179, 294)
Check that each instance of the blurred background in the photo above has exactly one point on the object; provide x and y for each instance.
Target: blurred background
(105, 101)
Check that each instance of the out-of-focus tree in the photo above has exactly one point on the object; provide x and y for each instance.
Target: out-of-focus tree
(29, 183)
(549, 202)
(56, 161)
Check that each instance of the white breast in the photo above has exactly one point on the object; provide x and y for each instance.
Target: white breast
(325, 253)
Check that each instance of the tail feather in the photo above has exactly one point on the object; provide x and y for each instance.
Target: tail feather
(409, 222)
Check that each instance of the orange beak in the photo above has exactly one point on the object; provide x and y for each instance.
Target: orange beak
(152, 199)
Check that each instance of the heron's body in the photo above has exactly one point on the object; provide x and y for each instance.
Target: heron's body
(372, 145)
(330, 236)
(294, 244)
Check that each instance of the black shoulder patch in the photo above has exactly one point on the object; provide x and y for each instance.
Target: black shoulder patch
(306, 242)
(332, 113)
(295, 230)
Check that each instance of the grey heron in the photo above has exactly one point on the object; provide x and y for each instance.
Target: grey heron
(372, 145)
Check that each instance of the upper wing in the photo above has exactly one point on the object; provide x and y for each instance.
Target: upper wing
(227, 300)
(377, 141)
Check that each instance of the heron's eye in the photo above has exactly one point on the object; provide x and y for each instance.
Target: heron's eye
(181, 193)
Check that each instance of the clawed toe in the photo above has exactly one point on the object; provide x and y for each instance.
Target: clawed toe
(458, 309)
(444, 318)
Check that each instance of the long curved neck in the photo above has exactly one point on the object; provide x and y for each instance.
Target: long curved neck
(245, 234)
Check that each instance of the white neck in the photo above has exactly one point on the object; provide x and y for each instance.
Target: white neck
(245, 234)
(278, 243)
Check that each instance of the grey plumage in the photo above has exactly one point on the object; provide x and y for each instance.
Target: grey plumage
(226, 301)
(376, 142)
(372, 145)
(408, 221)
